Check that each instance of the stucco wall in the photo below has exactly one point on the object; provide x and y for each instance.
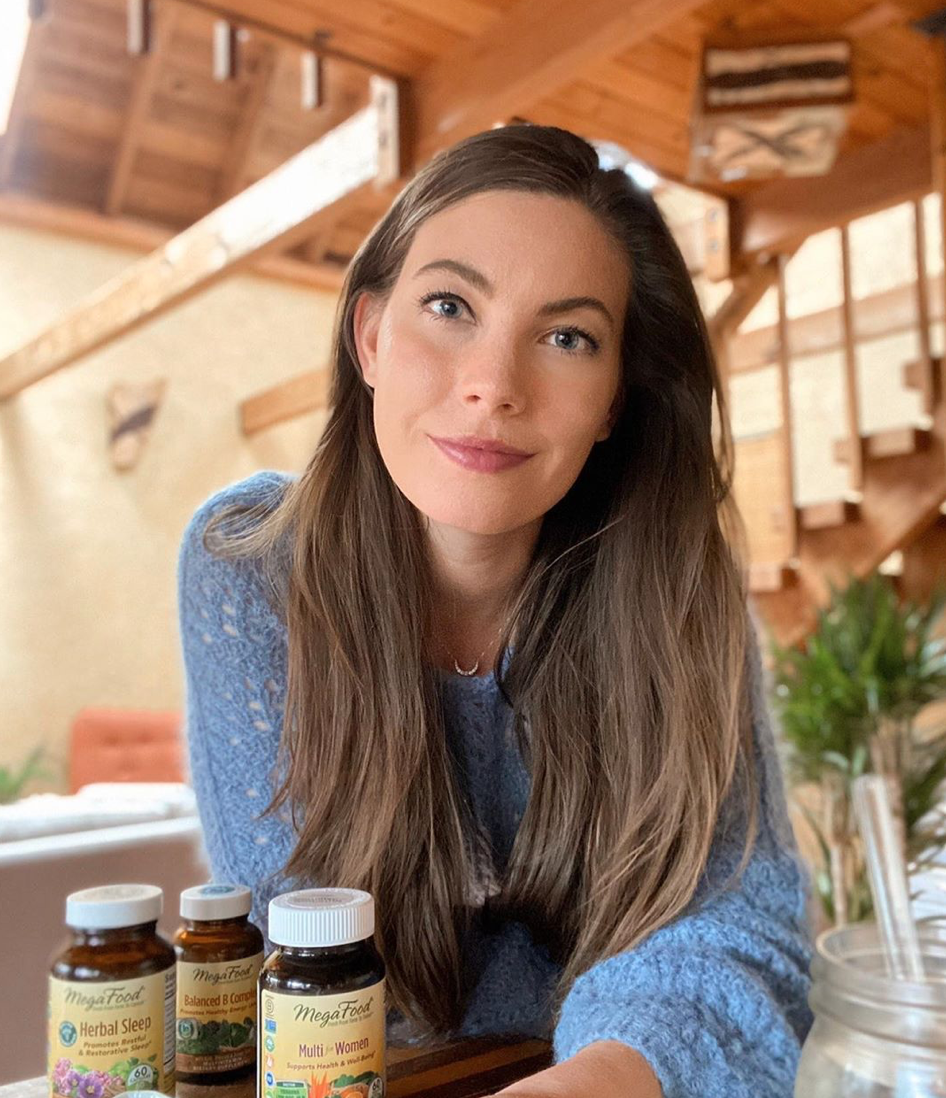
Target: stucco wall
(87, 553)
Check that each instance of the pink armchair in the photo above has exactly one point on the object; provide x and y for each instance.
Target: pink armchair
(125, 745)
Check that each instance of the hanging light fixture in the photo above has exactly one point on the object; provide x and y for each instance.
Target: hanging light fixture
(312, 97)
(140, 17)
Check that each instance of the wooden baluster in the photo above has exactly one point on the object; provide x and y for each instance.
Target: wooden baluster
(923, 310)
(855, 449)
(937, 56)
(785, 387)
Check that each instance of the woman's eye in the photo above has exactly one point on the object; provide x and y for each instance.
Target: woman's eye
(451, 308)
(454, 304)
(575, 336)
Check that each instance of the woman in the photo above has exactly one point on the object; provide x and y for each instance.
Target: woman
(511, 688)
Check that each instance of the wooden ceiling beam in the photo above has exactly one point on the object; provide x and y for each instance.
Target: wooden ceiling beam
(21, 211)
(146, 78)
(252, 119)
(533, 50)
(298, 396)
(780, 215)
(277, 212)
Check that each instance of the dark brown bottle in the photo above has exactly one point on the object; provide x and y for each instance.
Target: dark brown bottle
(322, 1008)
(111, 995)
(219, 954)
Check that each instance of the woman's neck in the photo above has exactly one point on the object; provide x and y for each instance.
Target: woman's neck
(475, 577)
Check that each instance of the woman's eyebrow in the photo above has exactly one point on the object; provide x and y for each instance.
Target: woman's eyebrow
(482, 283)
(471, 274)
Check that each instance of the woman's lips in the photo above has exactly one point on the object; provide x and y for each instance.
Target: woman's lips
(481, 461)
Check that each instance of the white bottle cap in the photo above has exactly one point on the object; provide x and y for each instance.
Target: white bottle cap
(112, 906)
(216, 901)
(315, 918)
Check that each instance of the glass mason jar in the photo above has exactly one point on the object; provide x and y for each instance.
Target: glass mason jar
(874, 1037)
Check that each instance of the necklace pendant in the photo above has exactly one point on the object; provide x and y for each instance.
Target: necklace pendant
(472, 671)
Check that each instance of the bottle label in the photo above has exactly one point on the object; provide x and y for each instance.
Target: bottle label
(322, 1046)
(216, 1014)
(109, 1038)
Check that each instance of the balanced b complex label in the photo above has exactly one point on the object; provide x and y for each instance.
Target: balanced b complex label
(216, 1014)
(108, 1038)
(313, 1046)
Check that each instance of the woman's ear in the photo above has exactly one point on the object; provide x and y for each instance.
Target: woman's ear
(366, 321)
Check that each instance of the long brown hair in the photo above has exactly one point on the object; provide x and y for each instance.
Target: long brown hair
(627, 672)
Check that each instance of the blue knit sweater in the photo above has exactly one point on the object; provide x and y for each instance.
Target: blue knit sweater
(716, 1000)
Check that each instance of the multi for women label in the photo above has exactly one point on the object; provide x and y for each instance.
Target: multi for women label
(322, 1046)
(109, 1038)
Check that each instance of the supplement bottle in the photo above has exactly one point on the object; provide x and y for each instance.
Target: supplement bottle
(321, 998)
(219, 954)
(111, 996)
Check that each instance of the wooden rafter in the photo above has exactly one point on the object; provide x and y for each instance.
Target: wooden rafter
(21, 211)
(536, 48)
(252, 117)
(146, 77)
(276, 212)
(532, 51)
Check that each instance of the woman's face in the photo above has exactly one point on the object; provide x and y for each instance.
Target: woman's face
(504, 324)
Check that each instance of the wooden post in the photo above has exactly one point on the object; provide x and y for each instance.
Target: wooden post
(855, 449)
(785, 386)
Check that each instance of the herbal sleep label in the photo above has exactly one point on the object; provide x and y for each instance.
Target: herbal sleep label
(108, 1038)
(216, 1014)
(314, 1046)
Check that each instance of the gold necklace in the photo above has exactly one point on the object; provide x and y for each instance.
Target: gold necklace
(476, 666)
(473, 669)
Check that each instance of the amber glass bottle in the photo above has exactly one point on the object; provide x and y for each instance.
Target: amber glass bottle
(111, 996)
(219, 953)
(322, 1009)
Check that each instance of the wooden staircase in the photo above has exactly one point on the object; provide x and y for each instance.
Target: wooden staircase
(903, 488)
(896, 480)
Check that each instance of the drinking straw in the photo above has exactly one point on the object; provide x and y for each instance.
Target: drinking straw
(886, 869)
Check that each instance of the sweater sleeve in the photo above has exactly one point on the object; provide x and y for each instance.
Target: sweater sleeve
(715, 1001)
(234, 655)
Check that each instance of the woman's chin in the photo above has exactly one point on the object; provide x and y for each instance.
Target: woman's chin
(473, 518)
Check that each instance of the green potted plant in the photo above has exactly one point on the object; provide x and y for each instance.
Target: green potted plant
(848, 699)
(13, 780)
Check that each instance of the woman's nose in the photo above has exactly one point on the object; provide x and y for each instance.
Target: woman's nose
(494, 381)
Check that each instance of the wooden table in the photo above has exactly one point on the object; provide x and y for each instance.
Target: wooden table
(461, 1069)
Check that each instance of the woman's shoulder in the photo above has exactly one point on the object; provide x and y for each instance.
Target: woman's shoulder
(261, 490)
(221, 584)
